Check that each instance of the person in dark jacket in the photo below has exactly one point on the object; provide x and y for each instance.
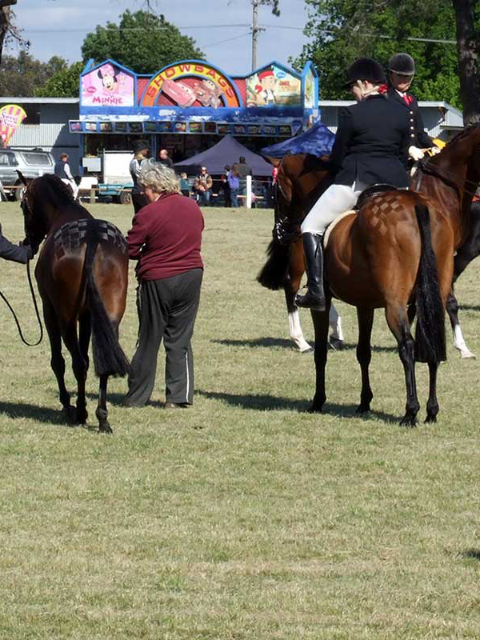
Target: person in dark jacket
(16, 253)
(401, 71)
(141, 150)
(367, 149)
(165, 238)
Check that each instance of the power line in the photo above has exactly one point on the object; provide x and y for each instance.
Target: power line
(212, 44)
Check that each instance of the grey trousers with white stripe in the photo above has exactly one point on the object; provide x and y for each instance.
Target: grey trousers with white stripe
(167, 310)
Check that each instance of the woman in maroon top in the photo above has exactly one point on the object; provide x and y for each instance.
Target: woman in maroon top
(165, 239)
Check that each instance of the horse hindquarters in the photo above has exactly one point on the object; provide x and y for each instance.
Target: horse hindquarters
(108, 355)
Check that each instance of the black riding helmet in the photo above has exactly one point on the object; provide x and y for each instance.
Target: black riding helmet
(365, 69)
(140, 145)
(402, 63)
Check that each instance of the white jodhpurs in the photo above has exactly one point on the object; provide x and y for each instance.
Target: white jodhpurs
(73, 186)
(336, 200)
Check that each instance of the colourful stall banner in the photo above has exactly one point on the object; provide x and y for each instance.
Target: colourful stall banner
(11, 116)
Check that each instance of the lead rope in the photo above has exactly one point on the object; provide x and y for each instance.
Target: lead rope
(34, 344)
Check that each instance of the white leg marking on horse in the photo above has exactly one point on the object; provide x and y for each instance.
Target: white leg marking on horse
(460, 344)
(296, 333)
(335, 322)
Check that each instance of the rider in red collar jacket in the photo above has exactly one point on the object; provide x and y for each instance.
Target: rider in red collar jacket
(401, 69)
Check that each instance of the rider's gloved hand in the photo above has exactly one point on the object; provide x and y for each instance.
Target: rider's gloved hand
(434, 150)
(415, 153)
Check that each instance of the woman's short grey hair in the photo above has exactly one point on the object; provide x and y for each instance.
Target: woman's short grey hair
(159, 178)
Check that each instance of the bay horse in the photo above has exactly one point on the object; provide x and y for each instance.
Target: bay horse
(399, 250)
(301, 179)
(82, 277)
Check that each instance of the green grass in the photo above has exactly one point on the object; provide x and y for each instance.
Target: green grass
(244, 518)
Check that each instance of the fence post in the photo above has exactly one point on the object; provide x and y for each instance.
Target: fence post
(249, 192)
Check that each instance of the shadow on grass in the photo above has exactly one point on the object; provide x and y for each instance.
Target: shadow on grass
(267, 343)
(117, 400)
(22, 410)
(263, 402)
(471, 554)
(469, 307)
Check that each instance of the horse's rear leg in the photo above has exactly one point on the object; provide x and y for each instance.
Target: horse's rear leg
(364, 355)
(458, 340)
(320, 324)
(398, 322)
(57, 361)
(80, 367)
(102, 411)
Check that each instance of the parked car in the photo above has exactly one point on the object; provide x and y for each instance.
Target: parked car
(32, 164)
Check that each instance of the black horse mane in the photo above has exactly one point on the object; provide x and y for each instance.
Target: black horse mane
(51, 187)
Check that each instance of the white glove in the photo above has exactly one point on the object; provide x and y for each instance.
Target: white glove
(434, 150)
(415, 153)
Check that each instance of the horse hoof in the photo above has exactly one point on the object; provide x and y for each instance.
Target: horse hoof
(314, 408)
(362, 409)
(70, 414)
(81, 417)
(430, 419)
(308, 349)
(335, 344)
(408, 421)
(468, 355)
(105, 428)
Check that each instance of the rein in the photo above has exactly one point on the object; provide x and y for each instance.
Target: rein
(425, 168)
(33, 344)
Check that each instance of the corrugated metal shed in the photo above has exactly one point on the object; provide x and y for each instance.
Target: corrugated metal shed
(51, 134)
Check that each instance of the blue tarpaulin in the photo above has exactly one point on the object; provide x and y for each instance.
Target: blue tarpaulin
(318, 140)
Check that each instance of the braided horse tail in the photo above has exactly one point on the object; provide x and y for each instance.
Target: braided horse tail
(108, 356)
(430, 331)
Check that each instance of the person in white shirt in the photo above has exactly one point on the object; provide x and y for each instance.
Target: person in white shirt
(62, 170)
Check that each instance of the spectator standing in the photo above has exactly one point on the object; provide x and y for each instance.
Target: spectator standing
(226, 186)
(165, 159)
(203, 186)
(243, 170)
(165, 238)
(141, 151)
(62, 170)
(234, 184)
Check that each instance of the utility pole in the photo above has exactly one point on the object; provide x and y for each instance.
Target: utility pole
(255, 31)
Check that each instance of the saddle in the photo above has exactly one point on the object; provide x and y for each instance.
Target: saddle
(369, 192)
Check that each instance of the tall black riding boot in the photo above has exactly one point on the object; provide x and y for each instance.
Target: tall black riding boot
(315, 296)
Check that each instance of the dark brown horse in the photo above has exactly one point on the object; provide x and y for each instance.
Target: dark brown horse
(301, 180)
(82, 276)
(398, 251)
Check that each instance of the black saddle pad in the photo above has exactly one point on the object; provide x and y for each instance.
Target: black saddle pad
(369, 192)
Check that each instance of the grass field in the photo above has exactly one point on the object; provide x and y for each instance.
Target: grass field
(244, 518)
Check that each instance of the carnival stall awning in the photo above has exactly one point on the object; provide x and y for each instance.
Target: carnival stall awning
(227, 151)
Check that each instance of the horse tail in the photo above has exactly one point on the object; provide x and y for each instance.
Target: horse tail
(430, 345)
(275, 270)
(108, 356)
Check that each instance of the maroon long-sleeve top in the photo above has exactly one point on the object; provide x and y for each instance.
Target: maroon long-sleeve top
(166, 237)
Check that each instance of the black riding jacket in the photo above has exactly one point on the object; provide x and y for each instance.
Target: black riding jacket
(370, 140)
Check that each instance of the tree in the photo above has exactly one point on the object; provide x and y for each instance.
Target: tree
(63, 84)
(23, 75)
(142, 42)
(343, 30)
(468, 44)
(7, 26)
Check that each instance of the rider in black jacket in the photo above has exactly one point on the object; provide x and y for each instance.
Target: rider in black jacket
(367, 149)
(401, 68)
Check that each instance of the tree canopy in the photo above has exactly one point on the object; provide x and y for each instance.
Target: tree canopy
(343, 30)
(24, 75)
(142, 42)
(63, 84)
